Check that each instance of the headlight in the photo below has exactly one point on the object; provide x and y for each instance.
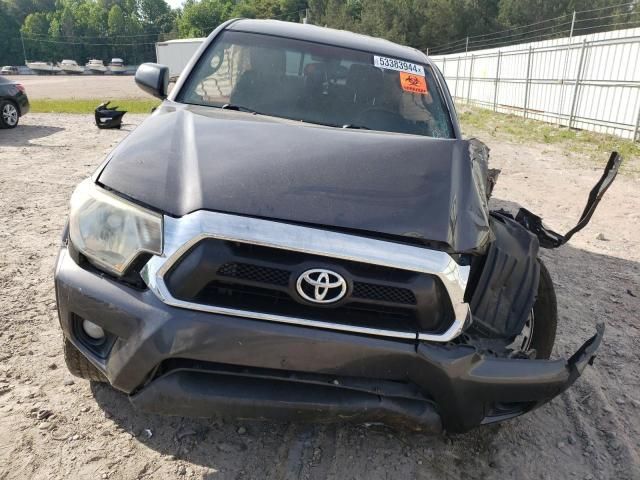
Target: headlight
(111, 231)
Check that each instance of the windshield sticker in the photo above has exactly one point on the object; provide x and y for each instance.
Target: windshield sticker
(397, 65)
(413, 83)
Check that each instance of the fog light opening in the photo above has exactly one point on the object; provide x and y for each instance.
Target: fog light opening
(92, 330)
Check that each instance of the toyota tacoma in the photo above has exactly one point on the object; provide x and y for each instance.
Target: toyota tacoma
(299, 231)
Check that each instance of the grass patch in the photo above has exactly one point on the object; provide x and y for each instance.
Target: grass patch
(88, 106)
(595, 146)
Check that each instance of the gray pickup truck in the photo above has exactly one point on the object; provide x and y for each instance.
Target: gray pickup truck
(300, 231)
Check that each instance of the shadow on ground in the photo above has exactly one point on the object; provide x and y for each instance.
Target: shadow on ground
(30, 135)
(22, 135)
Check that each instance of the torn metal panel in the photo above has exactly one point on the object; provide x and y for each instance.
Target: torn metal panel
(551, 239)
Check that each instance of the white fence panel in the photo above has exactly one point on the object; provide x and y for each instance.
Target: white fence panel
(589, 82)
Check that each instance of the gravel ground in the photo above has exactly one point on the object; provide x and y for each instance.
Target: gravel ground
(80, 86)
(54, 426)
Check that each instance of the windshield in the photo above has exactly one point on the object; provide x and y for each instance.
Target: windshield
(318, 83)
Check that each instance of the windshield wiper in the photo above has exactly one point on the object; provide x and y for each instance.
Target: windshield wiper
(239, 108)
(355, 127)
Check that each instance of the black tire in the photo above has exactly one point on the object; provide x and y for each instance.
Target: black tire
(9, 114)
(545, 314)
(79, 366)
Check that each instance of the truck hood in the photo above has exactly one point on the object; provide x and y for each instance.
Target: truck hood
(185, 158)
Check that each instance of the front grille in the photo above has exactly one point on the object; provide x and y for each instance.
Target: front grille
(261, 279)
(267, 300)
(276, 276)
(255, 273)
(383, 293)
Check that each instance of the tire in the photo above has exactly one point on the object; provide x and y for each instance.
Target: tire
(9, 114)
(545, 314)
(79, 366)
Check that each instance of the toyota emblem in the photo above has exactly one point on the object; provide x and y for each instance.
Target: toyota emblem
(321, 286)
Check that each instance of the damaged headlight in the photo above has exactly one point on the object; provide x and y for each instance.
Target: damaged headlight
(111, 231)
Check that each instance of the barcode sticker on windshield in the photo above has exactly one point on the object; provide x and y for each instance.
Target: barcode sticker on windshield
(398, 65)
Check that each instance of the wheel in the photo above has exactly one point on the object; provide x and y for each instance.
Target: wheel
(539, 332)
(79, 366)
(8, 114)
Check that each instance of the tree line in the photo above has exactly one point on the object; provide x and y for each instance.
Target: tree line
(50, 30)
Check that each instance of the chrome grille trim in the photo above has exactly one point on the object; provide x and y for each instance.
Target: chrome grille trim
(180, 234)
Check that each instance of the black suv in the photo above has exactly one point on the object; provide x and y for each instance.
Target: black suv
(300, 231)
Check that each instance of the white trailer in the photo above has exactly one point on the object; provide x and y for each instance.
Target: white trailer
(175, 54)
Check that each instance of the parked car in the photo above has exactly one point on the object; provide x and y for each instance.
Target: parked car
(300, 231)
(13, 103)
(9, 70)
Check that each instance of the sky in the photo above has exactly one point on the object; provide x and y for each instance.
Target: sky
(175, 3)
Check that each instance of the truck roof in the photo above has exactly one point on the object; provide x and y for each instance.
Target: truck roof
(182, 40)
(328, 36)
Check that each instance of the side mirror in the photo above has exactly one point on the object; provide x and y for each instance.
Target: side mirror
(153, 78)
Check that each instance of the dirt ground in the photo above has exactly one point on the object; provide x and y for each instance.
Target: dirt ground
(80, 86)
(55, 426)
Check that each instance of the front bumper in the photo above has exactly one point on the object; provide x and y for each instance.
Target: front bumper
(184, 362)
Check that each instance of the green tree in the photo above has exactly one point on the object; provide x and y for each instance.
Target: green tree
(11, 53)
(292, 10)
(524, 12)
(36, 24)
(155, 15)
(19, 9)
(116, 21)
(67, 21)
(199, 18)
(35, 31)
(54, 28)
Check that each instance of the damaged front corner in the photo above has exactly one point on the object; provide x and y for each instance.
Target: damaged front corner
(551, 239)
(584, 356)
